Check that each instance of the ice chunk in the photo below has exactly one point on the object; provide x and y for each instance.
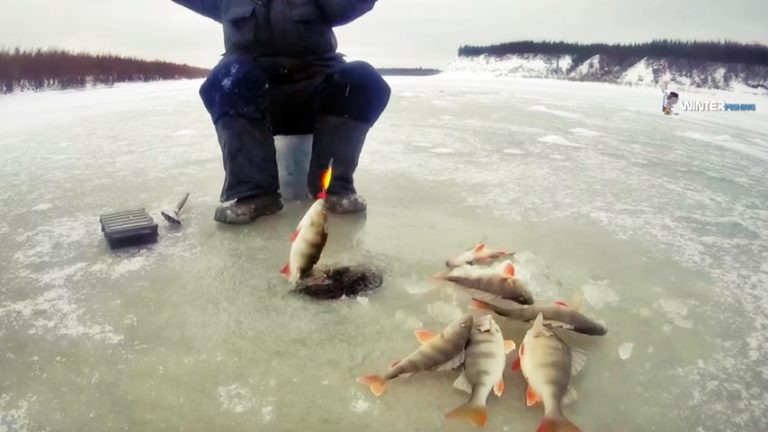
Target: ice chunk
(598, 294)
(676, 311)
(442, 150)
(363, 300)
(674, 307)
(514, 151)
(625, 350)
(407, 321)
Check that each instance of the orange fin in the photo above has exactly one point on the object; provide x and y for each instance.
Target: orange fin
(479, 247)
(498, 389)
(561, 303)
(509, 270)
(509, 346)
(295, 235)
(549, 424)
(531, 398)
(286, 271)
(477, 415)
(374, 382)
(476, 304)
(424, 336)
(516, 363)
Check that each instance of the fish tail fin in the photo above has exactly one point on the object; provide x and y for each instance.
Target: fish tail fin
(440, 276)
(557, 424)
(376, 383)
(478, 415)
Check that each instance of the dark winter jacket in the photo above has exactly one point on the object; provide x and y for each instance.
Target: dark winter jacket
(280, 28)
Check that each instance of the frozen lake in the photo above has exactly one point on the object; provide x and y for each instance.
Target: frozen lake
(661, 221)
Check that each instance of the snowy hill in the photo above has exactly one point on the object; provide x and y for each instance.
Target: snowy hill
(642, 71)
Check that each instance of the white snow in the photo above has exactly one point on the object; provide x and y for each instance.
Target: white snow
(360, 405)
(558, 140)
(729, 143)
(585, 132)
(544, 109)
(184, 132)
(639, 74)
(41, 207)
(591, 66)
(442, 150)
(236, 398)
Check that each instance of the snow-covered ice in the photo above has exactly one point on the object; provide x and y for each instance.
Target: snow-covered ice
(558, 140)
(661, 221)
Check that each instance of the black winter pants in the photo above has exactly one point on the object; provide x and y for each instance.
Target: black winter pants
(249, 107)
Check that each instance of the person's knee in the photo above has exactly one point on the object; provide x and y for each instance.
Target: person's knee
(235, 87)
(355, 91)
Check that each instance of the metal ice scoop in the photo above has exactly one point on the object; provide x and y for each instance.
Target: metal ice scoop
(172, 216)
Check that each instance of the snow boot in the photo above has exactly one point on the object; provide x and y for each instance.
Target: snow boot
(341, 139)
(248, 152)
(248, 209)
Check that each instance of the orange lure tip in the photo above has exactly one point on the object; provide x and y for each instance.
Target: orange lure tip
(325, 180)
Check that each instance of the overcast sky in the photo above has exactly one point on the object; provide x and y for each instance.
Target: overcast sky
(395, 33)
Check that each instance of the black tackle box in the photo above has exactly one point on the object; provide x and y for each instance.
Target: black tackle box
(128, 228)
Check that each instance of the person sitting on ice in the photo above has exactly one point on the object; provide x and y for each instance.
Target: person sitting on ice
(281, 75)
(669, 102)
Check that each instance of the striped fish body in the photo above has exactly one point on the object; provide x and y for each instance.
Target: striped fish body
(479, 254)
(545, 361)
(570, 319)
(493, 280)
(307, 242)
(437, 351)
(484, 360)
(546, 365)
(445, 348)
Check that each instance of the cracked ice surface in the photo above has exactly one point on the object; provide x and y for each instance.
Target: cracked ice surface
(662, 222)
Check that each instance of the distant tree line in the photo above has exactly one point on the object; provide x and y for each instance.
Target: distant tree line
(39, 69)
(723, 52)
